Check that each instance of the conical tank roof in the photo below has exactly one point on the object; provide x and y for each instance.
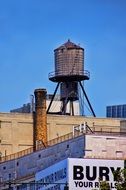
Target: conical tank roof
(69, 45)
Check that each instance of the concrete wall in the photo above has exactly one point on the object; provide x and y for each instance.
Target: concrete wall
(60, 125)
(123, 126)
(32, 163)
(88, 146)
(111, 147)
(16, 130)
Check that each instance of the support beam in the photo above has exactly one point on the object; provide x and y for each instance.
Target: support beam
(87, 99)
(53, 97)
(65, 102)
(71, 108)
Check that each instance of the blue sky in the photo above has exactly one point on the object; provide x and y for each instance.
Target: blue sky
(31, 29)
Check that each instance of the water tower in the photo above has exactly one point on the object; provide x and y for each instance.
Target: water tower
(68, 74)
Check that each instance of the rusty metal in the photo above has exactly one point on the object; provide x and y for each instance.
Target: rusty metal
(69, 70)
(69, 63)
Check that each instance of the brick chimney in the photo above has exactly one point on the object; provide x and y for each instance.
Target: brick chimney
(40, 118)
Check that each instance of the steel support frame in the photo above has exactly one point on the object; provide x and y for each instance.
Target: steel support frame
(93, 113)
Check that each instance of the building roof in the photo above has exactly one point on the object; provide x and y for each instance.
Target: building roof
(69, 45)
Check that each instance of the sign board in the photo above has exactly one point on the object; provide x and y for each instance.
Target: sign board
(79, 173)
(53, 177)
(85, 173)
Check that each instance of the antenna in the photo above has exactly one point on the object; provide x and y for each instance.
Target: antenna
(32, 104)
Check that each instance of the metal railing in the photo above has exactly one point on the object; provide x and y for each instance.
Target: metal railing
(16, 155)
(63, 73)
(57, 140)
(40, 146)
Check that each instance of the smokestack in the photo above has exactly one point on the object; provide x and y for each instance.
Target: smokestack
(40, 118)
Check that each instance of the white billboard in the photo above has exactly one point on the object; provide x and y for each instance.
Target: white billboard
(79, 174)
(85, 173)
(53, 177)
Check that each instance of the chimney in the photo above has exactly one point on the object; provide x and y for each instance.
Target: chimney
(40, 118)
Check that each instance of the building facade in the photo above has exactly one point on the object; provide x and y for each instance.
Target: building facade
(55, 108)
(116, 111)
(22, 171)
(16, 129)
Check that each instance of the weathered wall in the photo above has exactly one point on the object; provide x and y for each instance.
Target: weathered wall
(60, 125)
(88, 146)
(111, 147)
(16, 130)
(32, 163)
(123, 126)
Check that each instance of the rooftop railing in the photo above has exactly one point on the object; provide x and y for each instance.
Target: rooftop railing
(57, 140)
(39, 147)
(63, 73)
